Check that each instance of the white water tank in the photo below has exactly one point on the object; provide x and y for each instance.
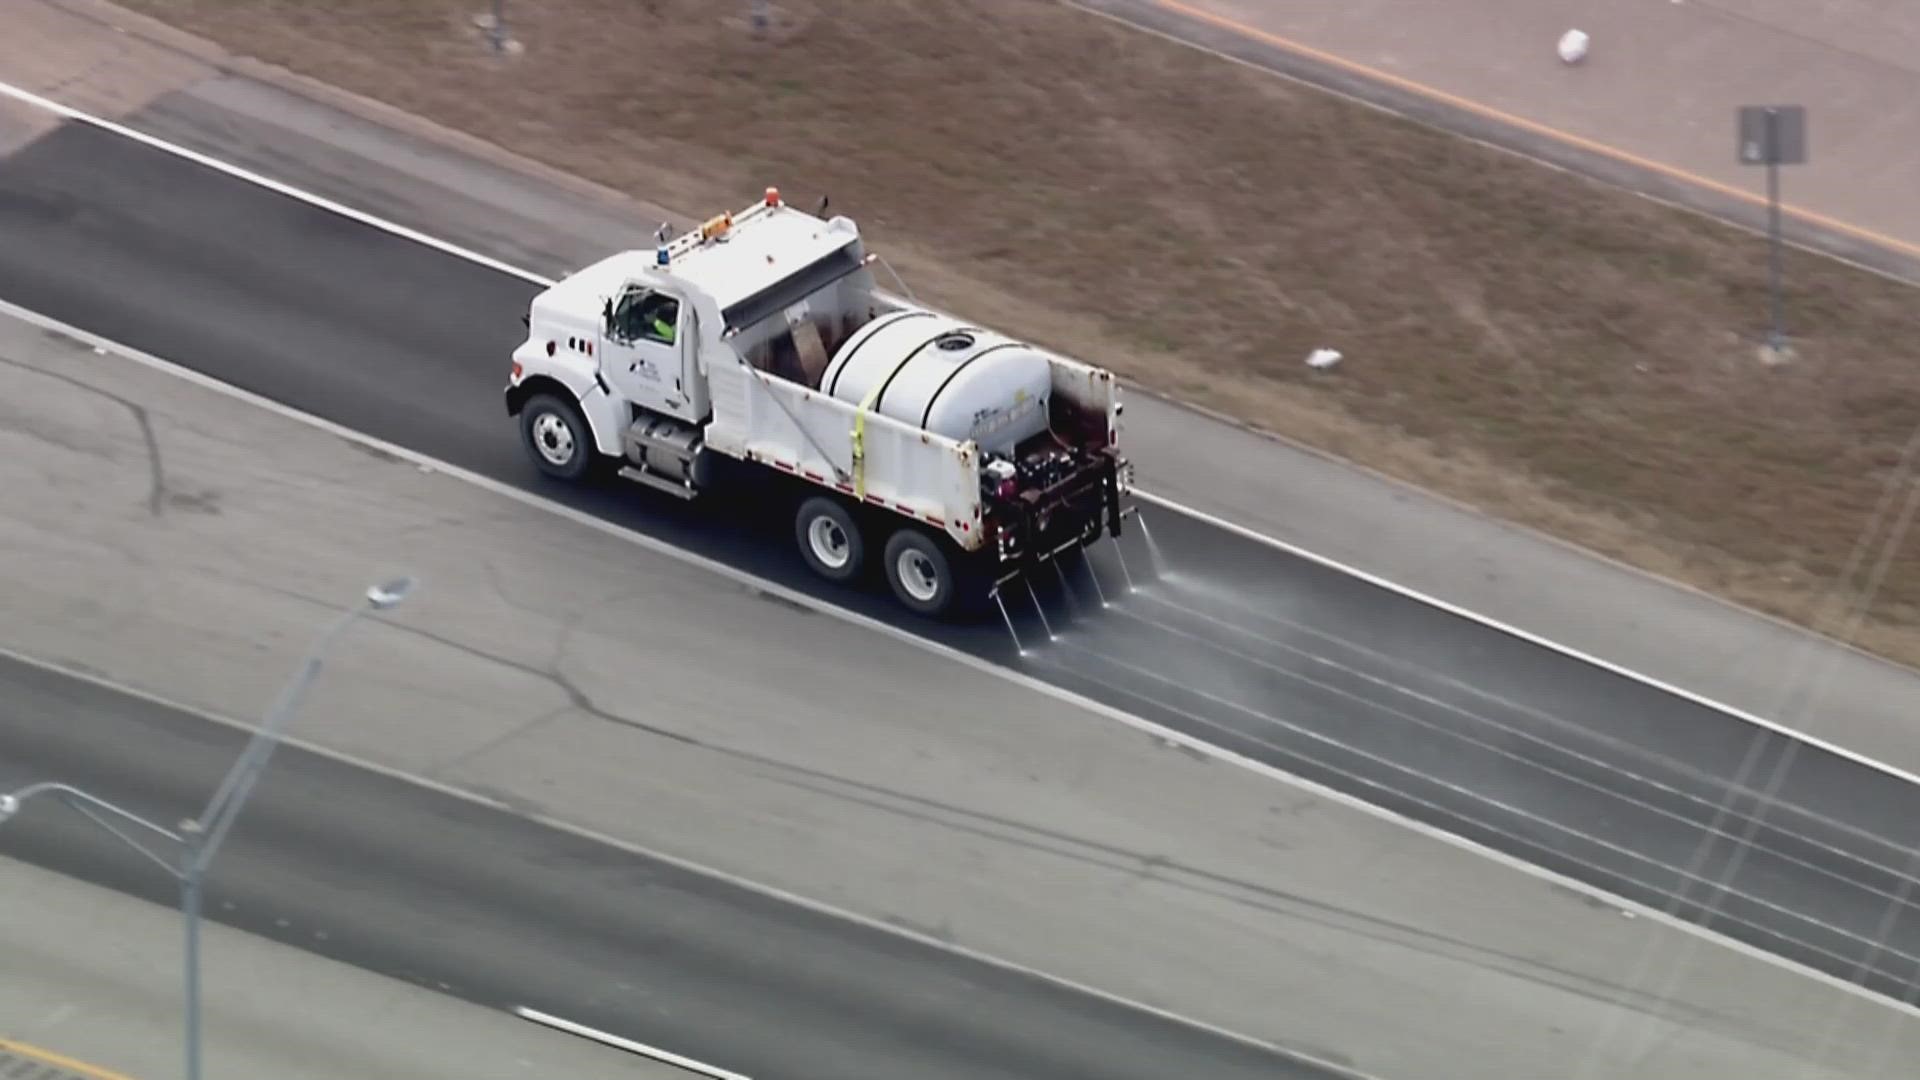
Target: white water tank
(943, 376)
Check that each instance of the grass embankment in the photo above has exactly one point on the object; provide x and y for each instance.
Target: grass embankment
(1556, 352)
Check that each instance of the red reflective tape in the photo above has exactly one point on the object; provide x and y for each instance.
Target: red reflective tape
(934, 520)
(811, 475)
(844, 487)
(782, 465)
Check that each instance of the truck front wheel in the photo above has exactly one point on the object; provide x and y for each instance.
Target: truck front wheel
(556, 437)
(830, 539)
(926, 576)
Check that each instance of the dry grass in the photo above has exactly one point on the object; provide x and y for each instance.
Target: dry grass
(1559, 353)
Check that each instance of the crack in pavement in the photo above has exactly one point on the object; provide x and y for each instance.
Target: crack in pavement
(577, 698)
(157, 477)
(1166, 871)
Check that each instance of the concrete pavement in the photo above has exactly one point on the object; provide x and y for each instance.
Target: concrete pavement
(451, 186)
(130, 621)
(93, 977)
(198, 564)
(1301, 668)
(482, 904)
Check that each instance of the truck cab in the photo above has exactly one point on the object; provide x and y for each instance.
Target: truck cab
(645, 356)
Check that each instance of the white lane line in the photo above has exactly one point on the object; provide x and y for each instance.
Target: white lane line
(449, 248)
(1575, 732)
(1157, 731)
(1465, 793)
(69, 112)
(1627, 797)
(771, 588)
(1529, 637)
(629, 1045)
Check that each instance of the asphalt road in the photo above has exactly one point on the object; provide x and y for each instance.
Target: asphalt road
(94, 975)
(495, 909)
(1595, 775)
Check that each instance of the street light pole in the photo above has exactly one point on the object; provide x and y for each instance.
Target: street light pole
(199, 838)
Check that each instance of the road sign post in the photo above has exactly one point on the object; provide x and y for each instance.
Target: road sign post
(1773, 135)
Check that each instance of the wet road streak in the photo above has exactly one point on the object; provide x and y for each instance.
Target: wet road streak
(1514, 746)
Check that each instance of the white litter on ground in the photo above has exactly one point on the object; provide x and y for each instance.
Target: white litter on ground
(1573, 46)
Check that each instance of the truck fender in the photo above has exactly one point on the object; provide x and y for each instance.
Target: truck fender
(595, 406)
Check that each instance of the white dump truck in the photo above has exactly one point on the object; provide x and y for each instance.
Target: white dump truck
(961, 457)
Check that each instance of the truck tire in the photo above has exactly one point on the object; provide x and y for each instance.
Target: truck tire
(830, 539)
(557, 437)
(926, 576)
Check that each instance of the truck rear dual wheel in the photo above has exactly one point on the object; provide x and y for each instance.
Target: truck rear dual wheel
(928, 576)
(830, 539)
(924, 573)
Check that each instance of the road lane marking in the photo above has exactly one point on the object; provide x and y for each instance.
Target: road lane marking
(449, 248)
(1536, 640)
(581, 518)
(1467, 794)
(1493, 745)
(13, 1053)
(1500, 703)
(1159, 732)
(69, 112)
(630, 1046)
(1488, 112)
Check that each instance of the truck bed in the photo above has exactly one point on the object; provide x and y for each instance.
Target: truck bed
(770, 410)
(759, 416)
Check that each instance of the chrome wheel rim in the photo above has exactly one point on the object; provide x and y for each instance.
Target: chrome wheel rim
(554, 438)
(829, 542)
(917, 576)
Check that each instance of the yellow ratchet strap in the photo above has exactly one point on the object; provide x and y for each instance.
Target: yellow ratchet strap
(860, 428)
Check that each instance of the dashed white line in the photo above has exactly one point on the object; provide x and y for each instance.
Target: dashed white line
(449, 248)
(1160, 732)
(628, 1045)
(1169, 736)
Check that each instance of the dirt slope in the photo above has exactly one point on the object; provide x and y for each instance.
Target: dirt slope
(1558, 353)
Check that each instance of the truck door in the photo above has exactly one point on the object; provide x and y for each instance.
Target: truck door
(640, 354)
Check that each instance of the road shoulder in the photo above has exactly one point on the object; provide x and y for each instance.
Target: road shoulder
(372, 157)
(93, 978)
(190, 547)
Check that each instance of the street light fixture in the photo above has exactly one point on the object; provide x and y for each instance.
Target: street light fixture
(199, 838)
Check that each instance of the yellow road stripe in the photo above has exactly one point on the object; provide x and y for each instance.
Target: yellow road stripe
(59, 1061)
(1567, 137)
